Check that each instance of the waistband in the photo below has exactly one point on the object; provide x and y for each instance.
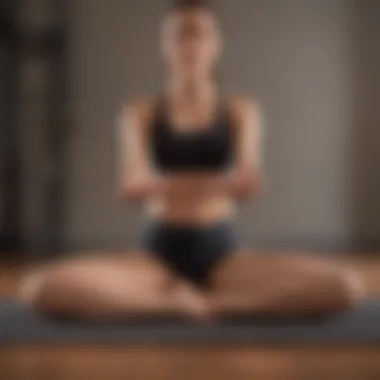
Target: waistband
(226, 224)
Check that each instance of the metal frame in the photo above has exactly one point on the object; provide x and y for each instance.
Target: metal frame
(51, 45)
(10, 131)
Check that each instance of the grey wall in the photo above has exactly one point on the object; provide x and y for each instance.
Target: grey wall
(304, 60)
(365, 136)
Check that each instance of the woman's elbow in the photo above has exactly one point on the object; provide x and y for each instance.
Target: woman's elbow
(133, 192)
(248, 187)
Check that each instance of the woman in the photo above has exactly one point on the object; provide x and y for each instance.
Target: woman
(191, 155)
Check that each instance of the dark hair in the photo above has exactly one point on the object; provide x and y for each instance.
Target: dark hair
(185, 4)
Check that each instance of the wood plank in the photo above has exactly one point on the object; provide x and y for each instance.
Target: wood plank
(191, 363)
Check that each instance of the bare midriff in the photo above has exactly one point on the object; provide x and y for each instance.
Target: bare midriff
(191, 203)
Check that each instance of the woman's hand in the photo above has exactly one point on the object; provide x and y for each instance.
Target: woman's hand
(242, 184)
(172, 186)
(238, 184)
(140, 188)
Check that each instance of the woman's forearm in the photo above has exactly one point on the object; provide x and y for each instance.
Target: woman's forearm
(237, 184)
(140, 189)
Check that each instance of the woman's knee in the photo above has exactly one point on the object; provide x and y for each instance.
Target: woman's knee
(346, 289)
(30, 288)
(354, 288)
(44, 292)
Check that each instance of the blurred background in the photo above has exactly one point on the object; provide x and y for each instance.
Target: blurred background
(66, 67)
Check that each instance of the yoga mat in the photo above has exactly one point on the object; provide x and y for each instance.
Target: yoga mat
(18, 325)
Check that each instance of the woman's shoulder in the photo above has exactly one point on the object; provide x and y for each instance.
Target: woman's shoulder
(239, 104)
(140, 104)
(140, 109)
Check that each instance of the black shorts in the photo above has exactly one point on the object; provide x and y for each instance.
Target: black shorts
(190, 252)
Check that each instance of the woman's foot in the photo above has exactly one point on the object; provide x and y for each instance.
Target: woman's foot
(193, 303)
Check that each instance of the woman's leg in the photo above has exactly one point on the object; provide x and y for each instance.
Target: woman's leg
(101, 288)
(283, 285)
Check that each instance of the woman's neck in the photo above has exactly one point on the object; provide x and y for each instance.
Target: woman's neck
(192, 89)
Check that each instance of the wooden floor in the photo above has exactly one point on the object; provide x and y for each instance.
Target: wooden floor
(158, 363)
(189, 364)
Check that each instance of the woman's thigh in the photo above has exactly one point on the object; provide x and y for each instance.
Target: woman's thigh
(89, 271)
(98, 285)
(284, 284)
(249, 272)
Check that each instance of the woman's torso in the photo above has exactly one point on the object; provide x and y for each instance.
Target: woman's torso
(191, 155)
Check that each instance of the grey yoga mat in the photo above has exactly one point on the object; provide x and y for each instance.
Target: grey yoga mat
(18, 325)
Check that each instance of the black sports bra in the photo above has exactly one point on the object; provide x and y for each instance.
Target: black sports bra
(206, 150)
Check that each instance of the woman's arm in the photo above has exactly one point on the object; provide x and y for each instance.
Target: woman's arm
(136, 180)
(245, 177)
